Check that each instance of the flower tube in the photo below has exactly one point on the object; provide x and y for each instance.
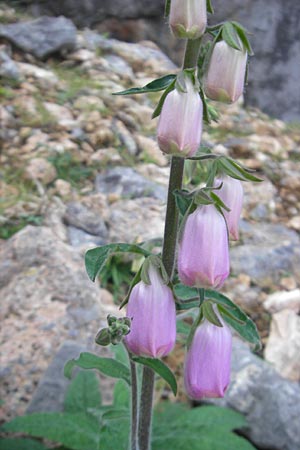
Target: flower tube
(180, 123)
(153, 318)
(188, 18)
(207, 362)
(224, 80)
(231, 193)
(203, 254)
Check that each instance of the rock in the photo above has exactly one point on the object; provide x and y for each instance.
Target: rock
(8, 67)
(95, 11)
(283, 300)
(136, 220)
(41, 37)
(50, 393)
(270, 403)
(44, 77)
(151, 150)
(267, 252)
(40, 169)
(63, 187)
(125, 137)
(79, 238)
(81, 217)
(48, 299)
(126, 182)
(283, 346)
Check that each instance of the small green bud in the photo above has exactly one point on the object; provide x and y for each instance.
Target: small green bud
(103, 337)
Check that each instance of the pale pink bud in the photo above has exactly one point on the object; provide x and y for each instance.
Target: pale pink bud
(203, 254)
(225, 77)
(231, 193)
(188, 18)
(153, 318)
(207, 362)
(180, 122)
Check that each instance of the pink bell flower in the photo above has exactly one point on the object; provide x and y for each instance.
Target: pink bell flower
(207, 362)
(203, 254)
(188, 18)
(225, 77)
(153, 318)
(231, 193)
(180, 123)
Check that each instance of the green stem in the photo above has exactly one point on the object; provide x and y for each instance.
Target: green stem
(134, 407)
(145, 421)
(168, 258)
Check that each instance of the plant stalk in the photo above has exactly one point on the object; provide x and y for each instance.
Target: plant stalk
(134, 407)
(168, 258)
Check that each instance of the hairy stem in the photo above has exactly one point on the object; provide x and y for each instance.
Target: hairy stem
(145, 421)
(134, 407)
(168, 258)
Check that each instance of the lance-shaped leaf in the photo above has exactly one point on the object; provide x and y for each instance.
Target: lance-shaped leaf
(236, 318)
(154, 86)
(160, 368)
(162, 99)
(209, 7)
(230, 36)
(96, 258)
(235, 170)
(107, 366)
(242, 33)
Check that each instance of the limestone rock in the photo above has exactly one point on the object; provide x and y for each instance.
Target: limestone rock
(283, 345)
(40, 169)
(42, 36)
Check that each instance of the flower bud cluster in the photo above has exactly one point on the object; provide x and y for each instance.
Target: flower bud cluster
(117, 329)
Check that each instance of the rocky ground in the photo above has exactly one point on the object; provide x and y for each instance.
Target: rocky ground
(80, 167)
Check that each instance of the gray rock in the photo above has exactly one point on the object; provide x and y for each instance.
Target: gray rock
(270, 403)
(268, 251)
(50, 393)
(79, 216)
(41, 37)
(8, 68)
(79, 238)
(126, 182)
(94, 11)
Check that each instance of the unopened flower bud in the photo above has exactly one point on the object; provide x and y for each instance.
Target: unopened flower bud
(180, 122)
(231, 193)
(153, 318)
(203, 254)
(207, 362)
(111, 319)
(103, 337)
(188, 18)
(225, 77)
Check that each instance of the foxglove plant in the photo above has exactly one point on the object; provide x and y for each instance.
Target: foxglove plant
(225, 77)
(188, 18)
(180, 123)
(203, 253)
(151, 308)
(231, 193)
(155, 294)
(207, 361)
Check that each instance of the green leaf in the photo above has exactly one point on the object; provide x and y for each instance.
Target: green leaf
(114, 434)
(162, 99)
(20, 444)
(96, 258)
(154, 86)
(236, 318)
(159, 367)
(188, 297)
(75, 431)
(121, 395)
(107, 366)
(183, 327)
(120, 353)
(83, 393)
(209, 313)
(202, 428)
(242, 33)
(235, 170)
(167, 8)
(183, 200)
(209, 7)
(230, 36)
